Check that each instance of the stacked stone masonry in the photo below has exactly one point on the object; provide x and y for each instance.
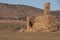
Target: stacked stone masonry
(43, 23)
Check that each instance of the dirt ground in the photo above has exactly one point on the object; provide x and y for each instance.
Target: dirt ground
(29, 35)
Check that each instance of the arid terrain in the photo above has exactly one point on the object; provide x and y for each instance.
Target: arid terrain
(13, 18)
(29, 35)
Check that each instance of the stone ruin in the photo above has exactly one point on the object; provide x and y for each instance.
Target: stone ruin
(43, 23)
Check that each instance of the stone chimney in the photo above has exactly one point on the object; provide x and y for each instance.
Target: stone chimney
(46, 8)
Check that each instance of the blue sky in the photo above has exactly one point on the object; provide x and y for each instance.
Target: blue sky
(55, 4)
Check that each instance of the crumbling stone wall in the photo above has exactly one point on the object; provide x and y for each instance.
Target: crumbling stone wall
(43, 23)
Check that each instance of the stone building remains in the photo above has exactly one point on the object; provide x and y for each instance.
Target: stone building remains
(43, 23)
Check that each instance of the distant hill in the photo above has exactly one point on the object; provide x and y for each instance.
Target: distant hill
(16, 12)
(20, 12)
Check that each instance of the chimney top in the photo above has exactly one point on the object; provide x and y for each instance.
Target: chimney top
(47, 8)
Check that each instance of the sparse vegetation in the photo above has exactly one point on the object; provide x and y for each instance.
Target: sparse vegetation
(12, 27)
